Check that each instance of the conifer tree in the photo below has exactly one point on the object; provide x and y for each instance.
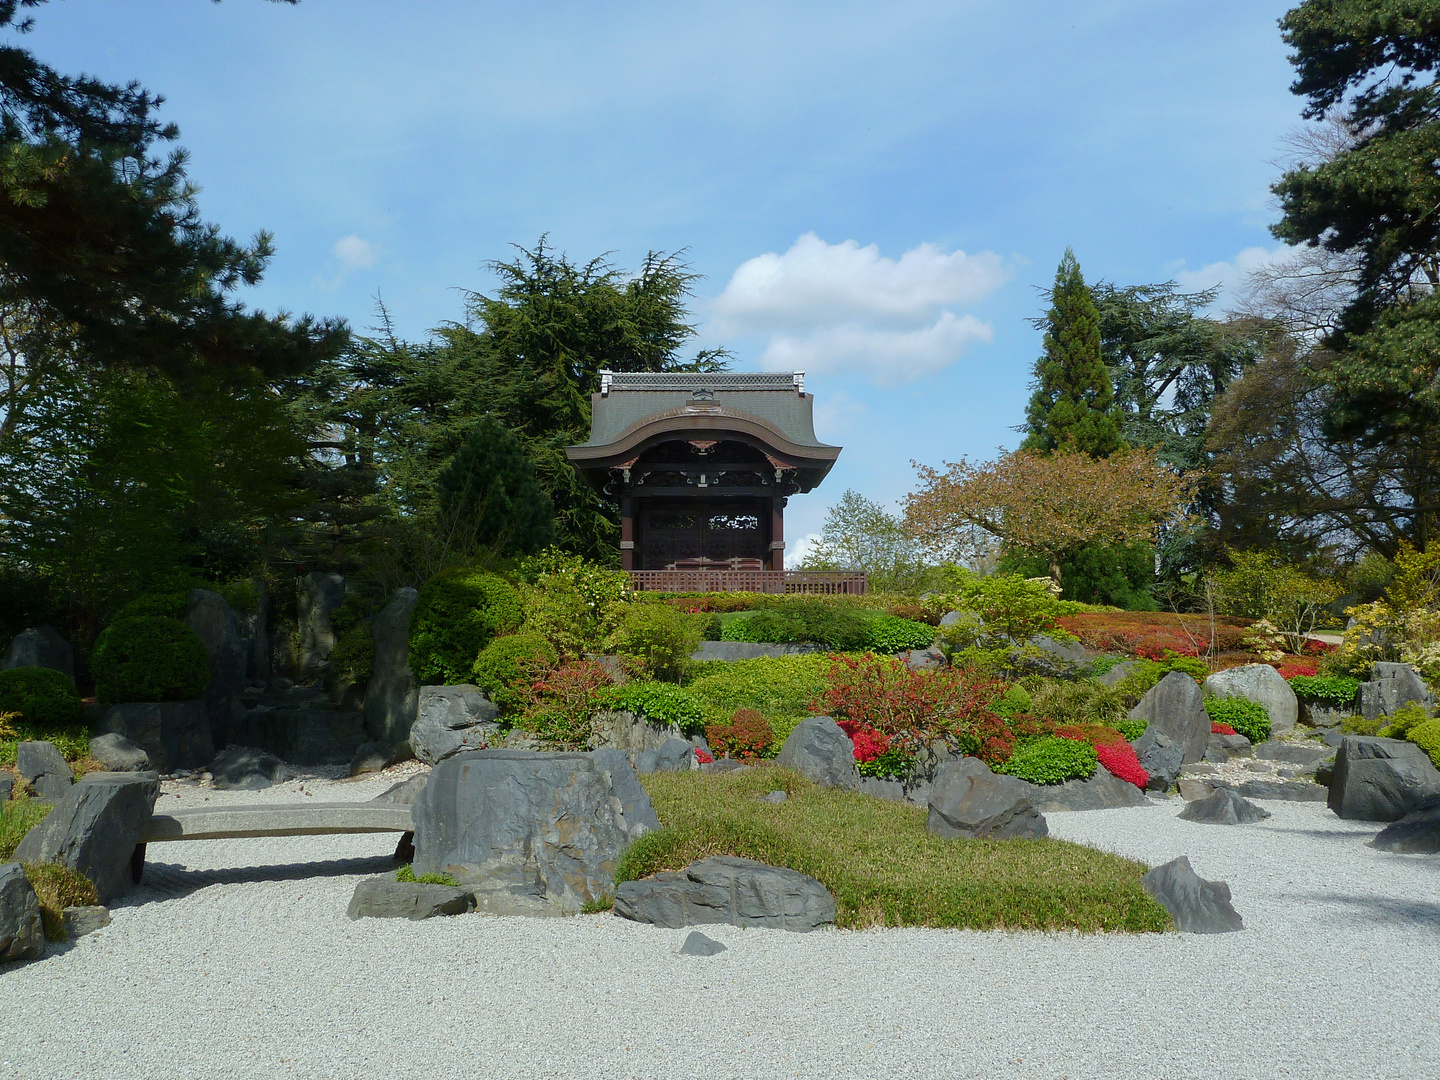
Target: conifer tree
(1070, 406)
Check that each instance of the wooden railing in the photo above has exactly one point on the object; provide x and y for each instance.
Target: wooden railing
(762, 581)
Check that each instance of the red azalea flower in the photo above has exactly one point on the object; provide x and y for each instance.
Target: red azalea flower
(1121, 760)
(702, 757)
(1221, 729)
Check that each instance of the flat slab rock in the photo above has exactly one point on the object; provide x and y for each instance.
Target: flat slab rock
(1417, 833)
(386, 898)
(1197, 906)
(725, 889)
(1223, 806)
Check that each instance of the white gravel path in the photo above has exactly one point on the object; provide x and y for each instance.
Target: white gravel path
(237, 960)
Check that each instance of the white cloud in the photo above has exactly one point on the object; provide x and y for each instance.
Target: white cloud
(846, 308)
(799, 548)
(354, 253)
(1230, 276)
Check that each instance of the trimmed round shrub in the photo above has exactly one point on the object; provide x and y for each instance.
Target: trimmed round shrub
(892, 634)
(43, 698)
(747, 735)
(506, 662)
(1427, 737)
(1052, 760)
(459, 613)
(1248, 718)
(149, 658)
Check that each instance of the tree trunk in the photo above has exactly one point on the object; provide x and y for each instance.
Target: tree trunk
(1055, 571)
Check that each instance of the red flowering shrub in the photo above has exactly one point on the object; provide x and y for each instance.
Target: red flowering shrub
(1095, 734)
(1120, 758)
(747, 735)
(1290, 668)
(869, 743)
(1319, 648)
(1126, 632)
(702, 757)
(1217, 728)
(558, 702)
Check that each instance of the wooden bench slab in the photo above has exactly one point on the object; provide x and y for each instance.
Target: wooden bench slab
(288, 819)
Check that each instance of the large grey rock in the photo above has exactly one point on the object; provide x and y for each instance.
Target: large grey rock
(967, 800)
(624, 730)
(118, 754)
(1223, 806)
(1263, 685)
(1101, 791)
(245, 768)
(1292, 753)
(1049, 655)
(1161, 756)
(95, 828)
(40, 646)
(1175, 707)
(80, 921)
(1223, 748)
(1280, 790)
(320, 597)
(1380, 779)
(1119, 673)
(452, 719)
(391, 699)
(819, 751)
(1197, 906)
(173, 734)
(304, 736)
(405, 792)
(22, 935)
(533, 833)
(386, 898)
(1392, 686)
(724, 889)
(1417, 833)
(625, 786)
(214, 622)
(697, 944)
(255, 628)
(44, 768)
(673, 755)
(931, 659)
(369, 758)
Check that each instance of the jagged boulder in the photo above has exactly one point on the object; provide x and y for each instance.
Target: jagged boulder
(22, 935)
(968, 800)
(1263, 685)
(452, 719)
(386, 898)
(320, 597)
(45, 769)
(40, 646)
(673, 755)
(1417, 833)
(725, 889)
(95, 829)
(1175, 707)
(1391, 687)
(173, 734)
(119, 754)
(1160, 756)
(215, 623)
(1223, 806)
(819, 751)
(391, 700)
(1102, 790)
(1197, 906)
(1378, 779)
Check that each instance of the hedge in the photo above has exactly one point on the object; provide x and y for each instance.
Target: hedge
(459, 612)
(507, 660)
(149, 658)
(44, 698)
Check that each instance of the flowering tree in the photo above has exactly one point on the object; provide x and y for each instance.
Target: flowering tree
(1048, 505)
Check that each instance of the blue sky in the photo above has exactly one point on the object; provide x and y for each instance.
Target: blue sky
(873, 192)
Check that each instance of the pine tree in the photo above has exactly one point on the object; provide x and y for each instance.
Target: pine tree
(1070, 407)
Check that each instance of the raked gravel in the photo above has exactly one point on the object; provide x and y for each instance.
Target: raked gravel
(236, 960)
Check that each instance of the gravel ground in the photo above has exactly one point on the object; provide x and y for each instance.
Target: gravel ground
(236, 960)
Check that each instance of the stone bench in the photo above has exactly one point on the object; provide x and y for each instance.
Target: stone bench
(289, 819)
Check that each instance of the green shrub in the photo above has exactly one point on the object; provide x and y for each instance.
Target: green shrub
(407, 873)
(58, 887)
(1050, 760)
(42, 697)
(664, 703)
(1248, 718)
(1359, 725)
(459, 612)
(781, 688)
(1150, 672)
(1426, 735)
(892, 634)
(1402, 720)
(18, 817)
(842, 627)
(1338, 689)
(1013, 702)
(1102, 665)
(149, 658)
(164, 605)
(660, 636)
(762, 627)
(1081, 702)
(507, 661)
(1131, 729)
(747, 735)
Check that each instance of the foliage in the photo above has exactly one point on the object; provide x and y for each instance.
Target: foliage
(1261, 585)
(149, 658)
(881, 865)
(1154, 632)
(839, 627)
(1119, 576)
(1070, 408)
(1121, 760)
(860, 534)
(660, 636)
(1081, 701)
(782, 688)
(1427, 736)
(458, 613)
(1404, 720)
(353, 657)
(58, 887)
(38, 697)
(1149, 672)
(1265, 640)
(488, 489)
(1336, 689)
(1131, 729)
(747, 735)
(508, 663)
(573, 602)
(1405, 626)
(407, 873)
(17, 817)
(1049, 506)
(1248, 718)
(663, 703)
(1051, 760)
(559, 704)
(892, 634)
(1006, 609)
(1217, 728)
(876, 754)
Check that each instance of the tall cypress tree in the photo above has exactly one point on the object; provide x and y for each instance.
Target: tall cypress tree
(1070, 406)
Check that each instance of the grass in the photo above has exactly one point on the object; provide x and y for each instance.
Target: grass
(407, 873)
(881, 865)
(58, 887)
(73, 742)
(18, 817)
